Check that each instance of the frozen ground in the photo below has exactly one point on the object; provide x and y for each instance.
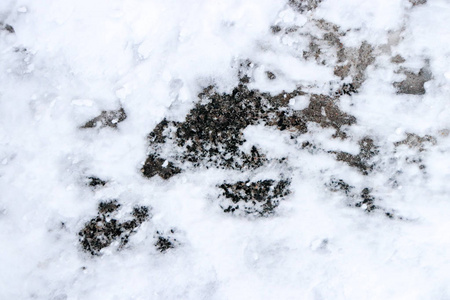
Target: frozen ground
(197, 149)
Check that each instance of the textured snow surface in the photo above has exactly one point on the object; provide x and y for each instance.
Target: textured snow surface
(365, 211)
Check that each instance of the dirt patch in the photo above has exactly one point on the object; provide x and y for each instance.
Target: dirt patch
(257, 198)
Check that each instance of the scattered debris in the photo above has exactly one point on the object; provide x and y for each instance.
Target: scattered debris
(104, 229)
(304, 5)
(258, 198)
(364, 199)
(141, 213)
(346, 89)
(417, 2)
(7, 27)
(163, 244)
(340, 185)
(95, 182)
(420, 144)
(107, 119)
(108, 207)
(275, 29)
(245, 70)
(165, 241)
(367, 201)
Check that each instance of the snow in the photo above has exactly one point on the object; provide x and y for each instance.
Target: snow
(70, 60)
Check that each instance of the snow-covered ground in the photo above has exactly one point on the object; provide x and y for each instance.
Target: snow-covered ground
(354, 128)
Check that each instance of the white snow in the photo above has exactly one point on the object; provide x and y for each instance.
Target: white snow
(70, 60)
